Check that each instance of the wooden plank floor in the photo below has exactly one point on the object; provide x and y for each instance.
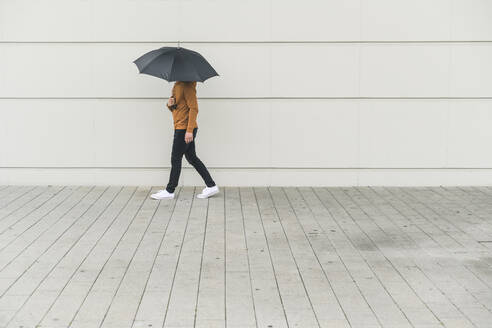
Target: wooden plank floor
(90, 257)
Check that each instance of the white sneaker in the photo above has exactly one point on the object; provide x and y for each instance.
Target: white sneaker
(162, 194)
(207, 192)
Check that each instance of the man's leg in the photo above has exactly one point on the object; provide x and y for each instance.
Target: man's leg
(179, 148)
(191, 157)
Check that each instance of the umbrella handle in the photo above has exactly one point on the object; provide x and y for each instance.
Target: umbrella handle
(178, 44)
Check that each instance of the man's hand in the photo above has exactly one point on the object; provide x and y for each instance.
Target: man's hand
(188, 137)
(170, 101)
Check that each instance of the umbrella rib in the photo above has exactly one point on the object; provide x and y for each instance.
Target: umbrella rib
(196, 70)
(150, 62)
(172, 66)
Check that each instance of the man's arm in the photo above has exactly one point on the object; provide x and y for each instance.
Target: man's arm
(171, 103)
(191, 101)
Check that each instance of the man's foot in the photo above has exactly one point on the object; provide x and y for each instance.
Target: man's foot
(208, 191)
(162, 194)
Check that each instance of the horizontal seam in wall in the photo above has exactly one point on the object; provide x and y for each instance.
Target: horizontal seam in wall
(242, 168)
(247, 98)
(252, 42)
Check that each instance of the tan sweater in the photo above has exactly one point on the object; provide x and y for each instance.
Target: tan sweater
(186, 111)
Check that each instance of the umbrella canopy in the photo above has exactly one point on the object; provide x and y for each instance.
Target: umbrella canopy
(175, 64)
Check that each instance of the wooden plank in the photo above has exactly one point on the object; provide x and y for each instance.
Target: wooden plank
(54, 246)
(353, 277)
(470, 206)
(35, 213)
(210, 308)
(182, 306)
(97, 302)
(16, 202)
(380, 252)
(240, 306)
(55, 282)
(407, 245)
(2, 188)
(423, 274)
(462, 225)
(117, 219)
(295, 298)
(130, 292)
(13, 193)
(155, 300)
(308, 259)
(22, 252)
(450, 230)
(331, 248)
(269, 307)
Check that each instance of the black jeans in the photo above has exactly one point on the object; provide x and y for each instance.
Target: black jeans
(180, 148)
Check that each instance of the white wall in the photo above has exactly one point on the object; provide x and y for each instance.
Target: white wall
(314, 92)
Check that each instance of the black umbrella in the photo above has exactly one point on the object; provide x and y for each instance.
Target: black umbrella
(175, 64)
